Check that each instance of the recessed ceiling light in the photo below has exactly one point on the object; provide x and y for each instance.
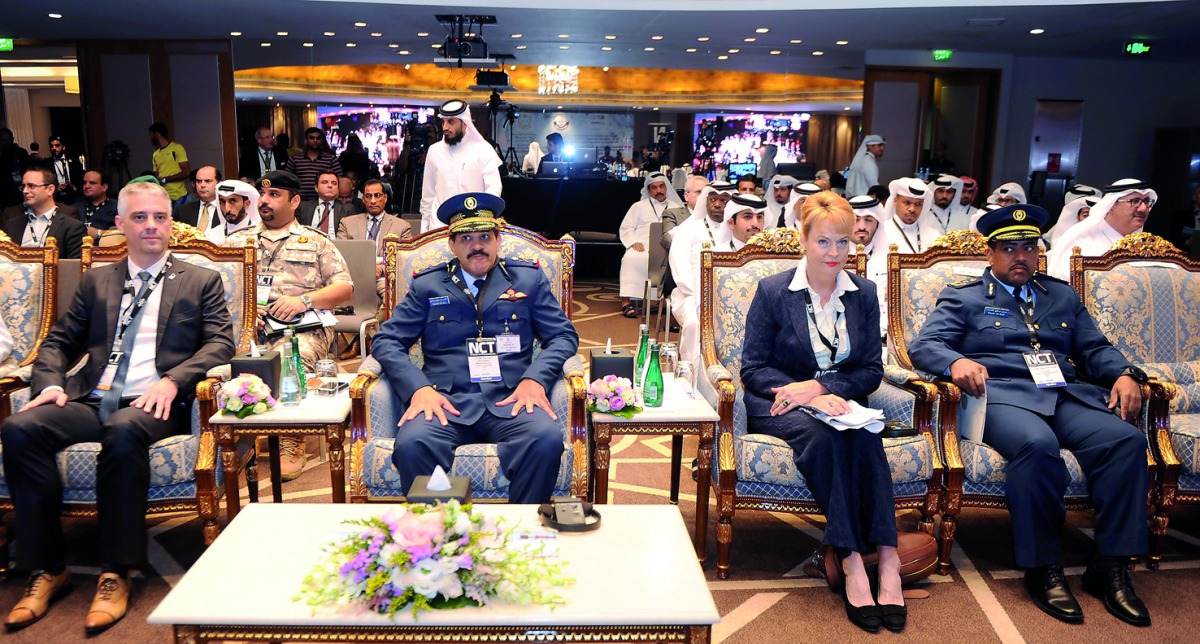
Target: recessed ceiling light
(649, 49)
(762, 30)
(330, 33)
(308, 44)
(469, 34)
(749, 39)
(775, 52)
(702, 39)
(56, 16)
(270, 98)
(722, 57)
(403, 52)
(847, 109)
(434, 45)
(734, 51)
(350, 44)
(795, 41)
(1037, 32)
(235, 33)
(512, 68)
(264, 44)
(519, 47)
(281, 33)
(610, 37)
(376, 34)
(422, 34)
(407, 66)
(691, 50)
(518, 35)
(842, 42)
(564, 46)
(818, 53)
(656, 109)
(564, 35)
(394, 45)
(360, 24)
(606, 49)
(656, 37)
(605, 68)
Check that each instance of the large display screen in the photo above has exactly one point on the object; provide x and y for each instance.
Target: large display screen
(381, 129)
(724, 139)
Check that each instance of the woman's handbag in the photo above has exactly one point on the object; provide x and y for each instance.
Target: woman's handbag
(918, 557)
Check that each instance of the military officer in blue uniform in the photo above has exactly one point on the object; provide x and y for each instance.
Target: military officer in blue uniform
(476, 318)
(1025, 340)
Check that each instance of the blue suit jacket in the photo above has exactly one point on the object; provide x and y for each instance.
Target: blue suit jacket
(968, 323)
(776, 349)
(442, 317)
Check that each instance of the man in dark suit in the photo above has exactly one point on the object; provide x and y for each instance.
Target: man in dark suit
(499, 397)
(261, 158)
(40, 217)
(136, 388)
(98, 209)
(327, 211)
(68, 172)
(1025, 341)
(204, 211)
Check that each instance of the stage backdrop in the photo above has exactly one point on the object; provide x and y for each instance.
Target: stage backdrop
(585, 131)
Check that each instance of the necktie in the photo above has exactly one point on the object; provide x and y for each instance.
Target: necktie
(266, 156)
(112, 397)
(477, 287)
(205, 217)
(374, 228)
(322, 222)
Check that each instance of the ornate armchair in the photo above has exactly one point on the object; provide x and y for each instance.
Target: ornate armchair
(375, 409)
(756, 471)
(974, 472)
(1144, 295)
(183, 472)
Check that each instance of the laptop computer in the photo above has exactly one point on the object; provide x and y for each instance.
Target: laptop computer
(554, 168)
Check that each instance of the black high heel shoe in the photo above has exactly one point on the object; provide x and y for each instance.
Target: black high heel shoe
(893, 616)
(868, 617)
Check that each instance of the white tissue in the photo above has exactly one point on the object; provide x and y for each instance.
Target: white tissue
(608, 347)
(438, 481)
(254, 352)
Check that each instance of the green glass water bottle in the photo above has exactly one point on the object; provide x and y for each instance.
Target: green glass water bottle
(294, 340)
(639, 367)
(652, 389)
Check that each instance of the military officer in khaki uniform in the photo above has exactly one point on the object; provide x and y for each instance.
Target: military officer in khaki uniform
(305, 271)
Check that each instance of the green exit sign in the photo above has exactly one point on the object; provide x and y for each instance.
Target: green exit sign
(6, 44)
(942, 55)
(1137, 48)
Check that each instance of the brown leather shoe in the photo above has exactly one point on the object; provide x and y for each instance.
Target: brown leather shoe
(42, 590)
(110, 604)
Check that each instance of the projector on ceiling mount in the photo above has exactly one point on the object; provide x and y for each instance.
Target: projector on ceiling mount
(473, 63)
(464, 46)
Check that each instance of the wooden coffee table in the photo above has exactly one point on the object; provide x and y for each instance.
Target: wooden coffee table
(635, 580)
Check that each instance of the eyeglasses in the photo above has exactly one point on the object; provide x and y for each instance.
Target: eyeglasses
(1137, 202)
(31, 186)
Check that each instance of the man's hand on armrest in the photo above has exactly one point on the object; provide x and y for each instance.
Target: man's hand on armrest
(52, 394)
(970, 376)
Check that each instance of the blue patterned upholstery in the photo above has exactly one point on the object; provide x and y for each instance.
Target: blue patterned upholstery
(21, 294)
(479, 462)
(920, 288)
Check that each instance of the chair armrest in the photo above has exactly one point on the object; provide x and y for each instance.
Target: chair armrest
(358, 431)
(577, 428)
(899, 375)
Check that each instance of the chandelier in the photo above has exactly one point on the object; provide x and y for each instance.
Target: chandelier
(558, 79)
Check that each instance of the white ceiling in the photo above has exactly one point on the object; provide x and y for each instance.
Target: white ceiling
(1072, 29)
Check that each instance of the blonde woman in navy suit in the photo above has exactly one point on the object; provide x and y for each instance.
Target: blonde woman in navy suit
(812, 338)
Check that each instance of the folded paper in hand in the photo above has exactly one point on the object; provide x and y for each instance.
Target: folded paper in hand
(438, 481)
(312, 319)
(858, 417)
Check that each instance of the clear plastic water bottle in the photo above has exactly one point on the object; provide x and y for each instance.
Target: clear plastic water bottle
(289, 381)
(642, 354)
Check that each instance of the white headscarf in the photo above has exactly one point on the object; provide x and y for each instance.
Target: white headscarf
(672, 197)
(1079, 190)
(868, 206)
(912, 188)
(766, 167)
(457, 109)
(241, 189)
(870, 139)
(1058, 262)
(533, 158)
(1069, 217)
(1011, 190)
(955, 184)
(737, 204)
(700, 210)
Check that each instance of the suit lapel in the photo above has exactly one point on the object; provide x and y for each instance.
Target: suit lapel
(170, 290)
(497, 284)
(115, 291)
(455, 290)
(798, 312)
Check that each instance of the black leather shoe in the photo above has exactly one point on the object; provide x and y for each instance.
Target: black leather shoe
(1049, 589)
(894, 616)
(868, 617)
(1109, 581)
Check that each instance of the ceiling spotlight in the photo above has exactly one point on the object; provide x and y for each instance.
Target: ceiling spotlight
(656, 109)
(518, 35)
(422, 34)
(702, 39)
(270, 98)
(842, 42)
(818, 53)
(235, 33)
(762, 30)
(281, 33)
(691, 50)
(512, 68)
(564, 46)
(847, 109)
(749, 39)
(775, 52)
(403, 52)
(605, 68)
(435, 45)
(1037, 32)
(610, 37)
(376, 34)
(649, 49)
(656, 37)
(564, 35)
(407, 66)
(559, 107)
(308, 44)
(56, 16)
(520, 47)
(606, 49)
(330, 33)
(394, 45)
(360, 24)
(795, 41)
(350, 44)
(734, 51)
(264, 44)
(722, 57)
(469, 34)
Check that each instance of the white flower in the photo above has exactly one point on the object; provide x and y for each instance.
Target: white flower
(425, 577)
(234, 404)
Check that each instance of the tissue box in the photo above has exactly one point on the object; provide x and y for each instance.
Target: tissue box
(618, 363)
(460, 490)
(265, 366)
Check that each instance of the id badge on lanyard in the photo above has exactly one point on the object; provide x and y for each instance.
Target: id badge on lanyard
(110, 371)
(263, 290)
(483, 359)
(1043, 366)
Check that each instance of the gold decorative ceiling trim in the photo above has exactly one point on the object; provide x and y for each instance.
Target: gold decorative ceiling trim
(618, 85)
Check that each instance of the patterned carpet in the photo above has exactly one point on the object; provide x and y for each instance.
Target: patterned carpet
(766, 599)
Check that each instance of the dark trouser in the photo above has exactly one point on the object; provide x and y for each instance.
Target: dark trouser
(530, 447)
(847, 472)
(1112, 454)
(31, 441)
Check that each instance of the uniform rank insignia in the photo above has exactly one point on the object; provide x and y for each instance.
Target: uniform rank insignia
(512, 294)
(303, 239)
(965, 282)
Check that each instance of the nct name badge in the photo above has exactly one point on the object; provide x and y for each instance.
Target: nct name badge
(1043, 366)
(263, 291)
(483, 360)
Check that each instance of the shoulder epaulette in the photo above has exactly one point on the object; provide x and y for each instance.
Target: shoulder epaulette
(1049, 278)
(439, 267)
(316, 230)
(963, 283)
(510, 263)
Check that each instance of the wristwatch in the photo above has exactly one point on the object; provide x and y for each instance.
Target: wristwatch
(308, 302)
(1137, 374)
